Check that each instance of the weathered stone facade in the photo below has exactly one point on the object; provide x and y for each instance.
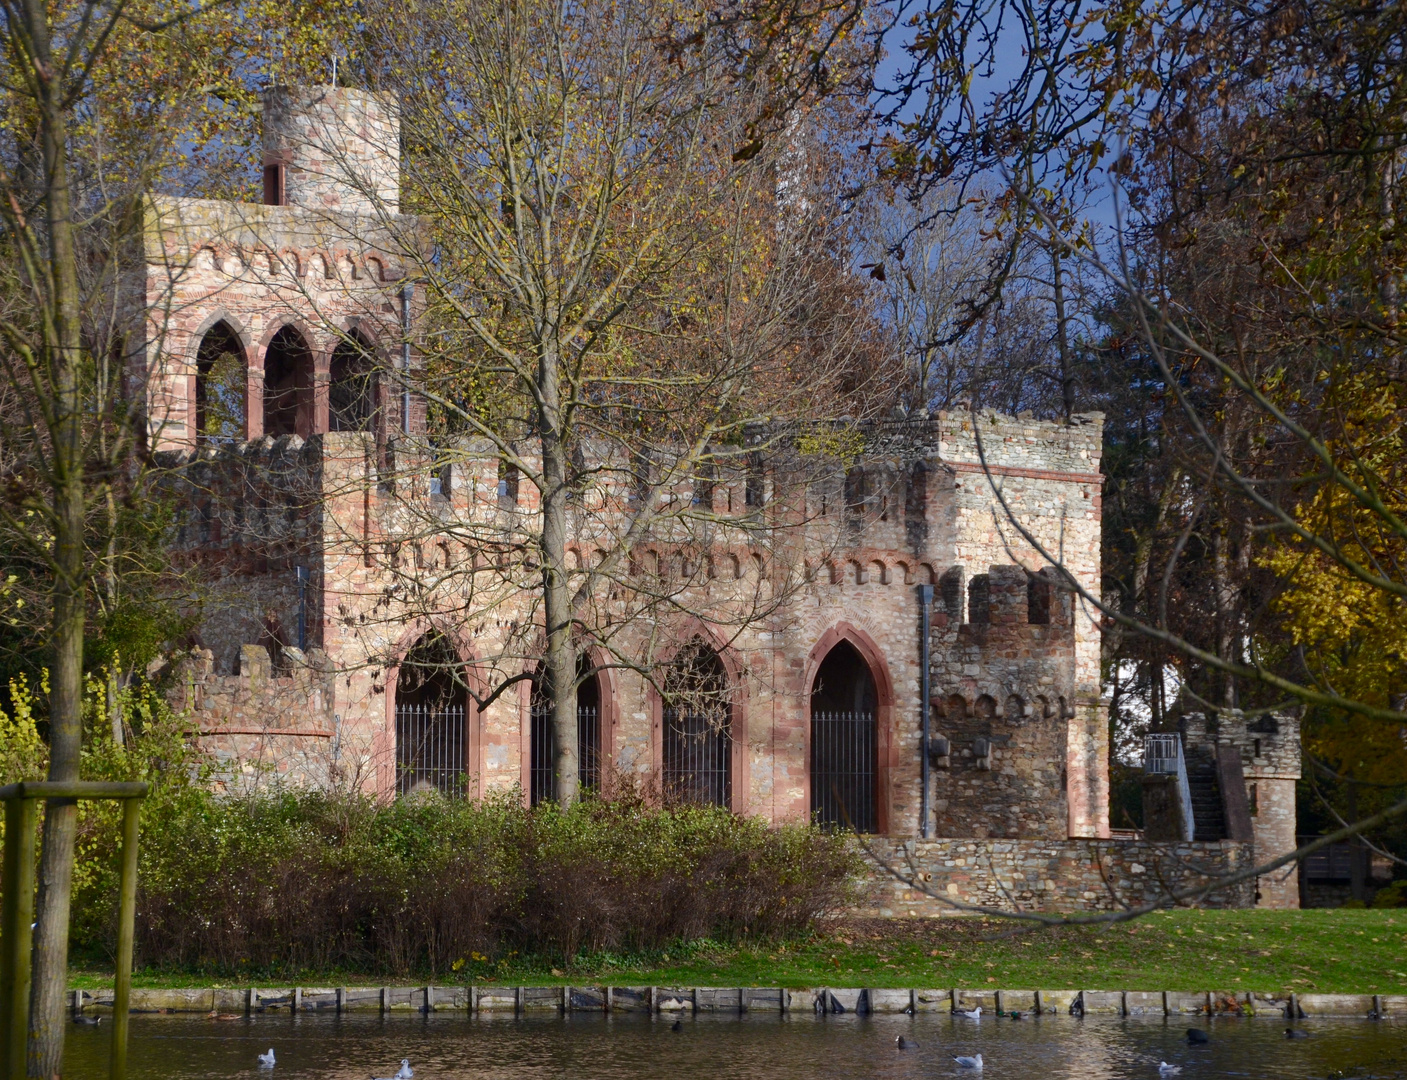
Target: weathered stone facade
(304, 521)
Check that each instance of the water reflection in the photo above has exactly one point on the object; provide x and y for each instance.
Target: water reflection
(633, 1047)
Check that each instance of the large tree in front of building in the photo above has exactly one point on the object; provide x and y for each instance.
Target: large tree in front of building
(629, 260)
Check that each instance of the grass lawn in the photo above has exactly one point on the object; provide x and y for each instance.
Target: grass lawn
(1324, 951)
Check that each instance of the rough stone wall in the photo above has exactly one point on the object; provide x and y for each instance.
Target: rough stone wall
(1058, 875)
(263, 721)
(340, 148)
(1002, 688)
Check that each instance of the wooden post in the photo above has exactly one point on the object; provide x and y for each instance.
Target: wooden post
(126, 919)
(16, 935)
(341, 1000)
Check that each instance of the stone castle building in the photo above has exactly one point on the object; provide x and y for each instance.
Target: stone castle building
(338, 544)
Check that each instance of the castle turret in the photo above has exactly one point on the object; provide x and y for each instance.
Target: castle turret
(334, 149)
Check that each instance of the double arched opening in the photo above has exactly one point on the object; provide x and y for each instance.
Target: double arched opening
(433, 745)
(542, 749)
(848, 736)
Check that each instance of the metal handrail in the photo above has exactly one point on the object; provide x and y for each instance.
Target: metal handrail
(17, 914)
(1162, 754)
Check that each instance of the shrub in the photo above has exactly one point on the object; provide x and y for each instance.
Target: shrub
(1391, 896)
(312, 880)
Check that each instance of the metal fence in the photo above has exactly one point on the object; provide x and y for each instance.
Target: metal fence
(1162, 753)
(698, 753)
(843, 753)
(431, 748)
(542, 784)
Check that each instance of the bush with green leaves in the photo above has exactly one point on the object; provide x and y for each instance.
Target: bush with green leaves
(321, 881)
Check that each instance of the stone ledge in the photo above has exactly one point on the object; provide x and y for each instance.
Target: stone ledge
(227, 1003)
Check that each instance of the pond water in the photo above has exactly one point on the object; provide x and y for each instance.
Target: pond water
(636, 1047)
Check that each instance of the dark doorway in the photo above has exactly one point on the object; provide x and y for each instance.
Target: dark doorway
(221, 379)
(351, 395)
(844, 742)
(698, 728)
(432, 744)
(542, 767)
(288, 383)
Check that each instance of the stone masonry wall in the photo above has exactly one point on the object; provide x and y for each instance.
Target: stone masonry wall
(1063, 875)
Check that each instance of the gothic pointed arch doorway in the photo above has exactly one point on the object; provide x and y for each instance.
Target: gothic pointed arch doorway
(848, 745)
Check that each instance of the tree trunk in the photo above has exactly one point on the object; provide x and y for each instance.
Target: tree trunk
(559, 665)
(63, 357)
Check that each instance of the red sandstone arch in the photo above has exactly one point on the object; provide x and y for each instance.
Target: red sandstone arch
(197, 339)
(384, 745)
(257, 362)
(736, 672)
(886, 752)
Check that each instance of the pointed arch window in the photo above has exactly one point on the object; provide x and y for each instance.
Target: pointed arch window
(221, 386)
(288, 383)
(351, 395)
(698, 728)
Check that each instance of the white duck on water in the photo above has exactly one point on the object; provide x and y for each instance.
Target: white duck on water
(1164, 1069)
(974, 1062)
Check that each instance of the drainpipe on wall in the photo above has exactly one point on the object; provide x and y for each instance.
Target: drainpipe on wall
(925, 603)
(407, 295)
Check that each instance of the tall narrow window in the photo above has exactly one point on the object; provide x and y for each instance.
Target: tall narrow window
(220, 387)
(351, 393)
(288, 384)
(274, 190)
(1038, 599)
(979, 600)
(698, 728)
(754, 494)
(432, 737)
(507, 485)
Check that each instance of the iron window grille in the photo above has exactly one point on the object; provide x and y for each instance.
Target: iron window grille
(843, 756)
(542, 773)
(698, 751)
(431, 748)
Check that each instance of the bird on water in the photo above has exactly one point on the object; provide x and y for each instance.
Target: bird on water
(1164, 1069)
(971, 1014)
(905, 1044)
(1196, 1036)
(678, 1025)
(405, 1072)
(1296, 1033)
(974, 1062)
(266, 1061)
(87, 1021)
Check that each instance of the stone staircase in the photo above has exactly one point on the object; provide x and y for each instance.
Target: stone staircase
(1207, 815)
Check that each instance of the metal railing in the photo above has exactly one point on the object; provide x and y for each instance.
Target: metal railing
(542, 772)
(1163, 754)
(17, 914)
(698, 753)
(431, 748)
(843, 770)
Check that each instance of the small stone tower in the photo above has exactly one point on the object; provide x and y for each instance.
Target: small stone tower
(332, 149)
